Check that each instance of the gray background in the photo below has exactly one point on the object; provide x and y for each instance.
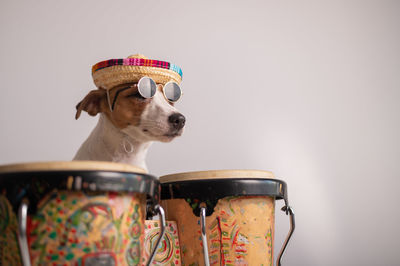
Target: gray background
(306, 89)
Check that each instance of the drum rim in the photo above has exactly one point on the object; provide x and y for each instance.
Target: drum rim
(52, 166)
(217, 174)
(17, 185)
(220, 188)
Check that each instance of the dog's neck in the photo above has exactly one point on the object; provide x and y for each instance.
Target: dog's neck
(108, 143)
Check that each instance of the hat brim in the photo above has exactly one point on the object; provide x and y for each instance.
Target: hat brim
(110, 77)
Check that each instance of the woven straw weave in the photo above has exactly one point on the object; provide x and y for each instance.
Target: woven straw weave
(109, 77)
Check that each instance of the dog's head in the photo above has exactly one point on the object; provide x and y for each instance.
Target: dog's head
(147, 119)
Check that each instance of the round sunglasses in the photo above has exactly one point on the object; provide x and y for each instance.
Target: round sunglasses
(147, 88)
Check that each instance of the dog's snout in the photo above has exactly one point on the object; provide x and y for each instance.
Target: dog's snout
(177, 120)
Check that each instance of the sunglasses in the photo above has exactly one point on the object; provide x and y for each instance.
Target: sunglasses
(147, 88)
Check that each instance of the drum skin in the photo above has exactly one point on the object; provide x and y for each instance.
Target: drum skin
(240, 231)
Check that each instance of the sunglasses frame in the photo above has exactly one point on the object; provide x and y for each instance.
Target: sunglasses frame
(111, 106)
(181, 93)
(152, 81)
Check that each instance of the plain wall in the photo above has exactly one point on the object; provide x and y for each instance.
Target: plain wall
(306, 89)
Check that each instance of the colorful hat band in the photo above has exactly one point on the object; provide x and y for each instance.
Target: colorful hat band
(136, 62)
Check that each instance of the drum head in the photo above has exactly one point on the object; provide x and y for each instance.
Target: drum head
(217, 174)
(34, 180)
(69, 166)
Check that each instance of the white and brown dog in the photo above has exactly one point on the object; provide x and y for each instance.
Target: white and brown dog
(128, 122)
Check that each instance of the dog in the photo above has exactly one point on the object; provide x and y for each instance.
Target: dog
(128, 124)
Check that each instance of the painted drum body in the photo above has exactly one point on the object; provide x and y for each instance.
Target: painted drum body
(79, 213)
(168, 252)
(240, 209)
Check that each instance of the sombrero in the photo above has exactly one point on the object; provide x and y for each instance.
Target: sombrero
(109, 73)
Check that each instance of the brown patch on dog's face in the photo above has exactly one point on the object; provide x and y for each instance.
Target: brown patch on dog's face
(125, 99)
(127, 104)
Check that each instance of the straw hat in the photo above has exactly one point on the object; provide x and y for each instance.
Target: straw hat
(107, 74)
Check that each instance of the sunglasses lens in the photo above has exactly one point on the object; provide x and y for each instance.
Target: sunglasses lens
(147, 87)
(172, 91)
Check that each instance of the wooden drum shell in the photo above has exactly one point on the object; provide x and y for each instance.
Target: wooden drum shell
(240, 214)
(80, 213)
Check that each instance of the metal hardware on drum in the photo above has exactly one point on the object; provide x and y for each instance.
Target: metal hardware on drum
(288, 210)
(160, 211)
(22, 237)
(204, 234)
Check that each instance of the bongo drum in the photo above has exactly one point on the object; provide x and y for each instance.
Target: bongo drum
(75, 213)
(225, 217)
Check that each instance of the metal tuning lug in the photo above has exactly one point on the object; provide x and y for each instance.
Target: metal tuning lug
(203, 210)
(160, 211)
(22, 237)
(289, 211)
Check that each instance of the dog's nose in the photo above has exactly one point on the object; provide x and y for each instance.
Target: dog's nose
(177, 120)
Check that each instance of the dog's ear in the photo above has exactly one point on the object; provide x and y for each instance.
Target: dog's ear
(92, 103)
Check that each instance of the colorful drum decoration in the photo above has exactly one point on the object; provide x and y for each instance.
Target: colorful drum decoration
(75, 213)
(225, 217)
(168, 252)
